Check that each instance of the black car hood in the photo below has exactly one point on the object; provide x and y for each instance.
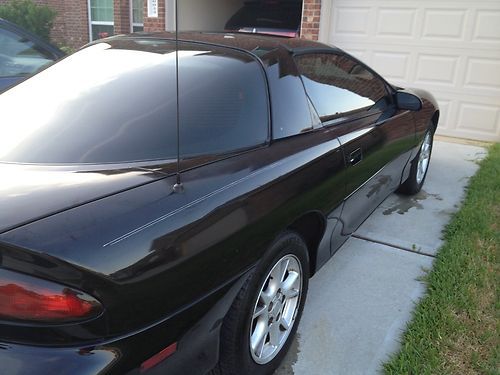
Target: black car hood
(28, 193)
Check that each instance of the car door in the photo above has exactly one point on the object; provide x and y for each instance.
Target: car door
(376, 138)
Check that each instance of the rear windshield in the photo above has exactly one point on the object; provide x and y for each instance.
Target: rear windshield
(115, 102)
(285, 15)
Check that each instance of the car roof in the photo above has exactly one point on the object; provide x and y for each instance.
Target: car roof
(250, 42)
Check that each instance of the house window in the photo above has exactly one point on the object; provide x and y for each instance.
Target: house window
(137, 15)
(101, 18)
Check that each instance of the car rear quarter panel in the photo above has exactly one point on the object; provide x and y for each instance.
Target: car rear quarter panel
(149, 253)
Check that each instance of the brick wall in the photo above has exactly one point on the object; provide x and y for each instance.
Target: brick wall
(155, 23)
(71, 27)
(311, 14)
(122, 16)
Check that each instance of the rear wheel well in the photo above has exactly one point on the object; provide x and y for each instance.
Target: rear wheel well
(311, 228)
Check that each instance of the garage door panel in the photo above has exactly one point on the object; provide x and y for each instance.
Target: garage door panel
(392, 65)
(445, 107)
(477, 117)
(444, 24)
(396, 22)
(487, 26)
(483, 74)
(359, 54)
(352, 21)
(451, 48)
(437, 69)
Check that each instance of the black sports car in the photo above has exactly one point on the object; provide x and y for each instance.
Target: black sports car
(128, 246)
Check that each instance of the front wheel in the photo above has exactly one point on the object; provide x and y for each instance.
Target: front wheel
(259, 327)
(419, 167)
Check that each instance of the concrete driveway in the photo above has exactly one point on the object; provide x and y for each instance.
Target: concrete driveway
(360, 301)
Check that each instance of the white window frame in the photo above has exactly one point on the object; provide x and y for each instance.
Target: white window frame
(103, 23)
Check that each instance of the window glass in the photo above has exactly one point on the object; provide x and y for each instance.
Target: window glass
(137, 15)
(20, 56)
(337, 84)
(102, 10)
(109, 104)
(291, 112)
(101, 18)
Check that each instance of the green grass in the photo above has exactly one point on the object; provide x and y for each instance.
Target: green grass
(455, 328)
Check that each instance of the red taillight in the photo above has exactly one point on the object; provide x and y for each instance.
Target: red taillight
(26, 298)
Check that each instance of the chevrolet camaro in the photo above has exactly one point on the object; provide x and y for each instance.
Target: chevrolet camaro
(164, 202)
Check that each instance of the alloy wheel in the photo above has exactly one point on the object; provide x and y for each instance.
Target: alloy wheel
(424, 157)
(275, 310)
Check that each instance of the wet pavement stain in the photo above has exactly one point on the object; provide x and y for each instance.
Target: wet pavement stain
(286, 367)
(405, 204)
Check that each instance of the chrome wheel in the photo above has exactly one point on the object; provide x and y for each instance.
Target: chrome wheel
(275, 310)
(424, 157)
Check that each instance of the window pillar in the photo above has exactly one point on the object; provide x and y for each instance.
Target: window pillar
(122, 16)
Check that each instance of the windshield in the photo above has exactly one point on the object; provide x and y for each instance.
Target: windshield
(111, 104)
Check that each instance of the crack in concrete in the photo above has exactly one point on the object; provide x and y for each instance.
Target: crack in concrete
(413, 250)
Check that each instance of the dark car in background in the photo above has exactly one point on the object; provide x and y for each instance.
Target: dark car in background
(22, 54)
(280, 17)
(119, 257)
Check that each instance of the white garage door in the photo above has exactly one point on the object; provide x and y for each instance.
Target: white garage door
(451, 48)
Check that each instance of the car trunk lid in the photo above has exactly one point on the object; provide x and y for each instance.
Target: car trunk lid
(30, 192)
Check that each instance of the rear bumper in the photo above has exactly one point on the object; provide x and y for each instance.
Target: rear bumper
(192, 357)
(197, 350)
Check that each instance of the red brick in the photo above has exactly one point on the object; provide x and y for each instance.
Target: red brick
(155, 24)
(71, 26)
(311, 19)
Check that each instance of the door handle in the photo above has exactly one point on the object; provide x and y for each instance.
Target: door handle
(355, 157)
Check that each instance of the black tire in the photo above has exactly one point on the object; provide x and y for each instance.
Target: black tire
(415, 180)
(235, 353)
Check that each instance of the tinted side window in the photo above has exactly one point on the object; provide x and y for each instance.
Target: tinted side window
(223, 104)
(337, 84)
(291, 112)
(108, 104)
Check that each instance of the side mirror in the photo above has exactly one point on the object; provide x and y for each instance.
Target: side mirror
(406, 100)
